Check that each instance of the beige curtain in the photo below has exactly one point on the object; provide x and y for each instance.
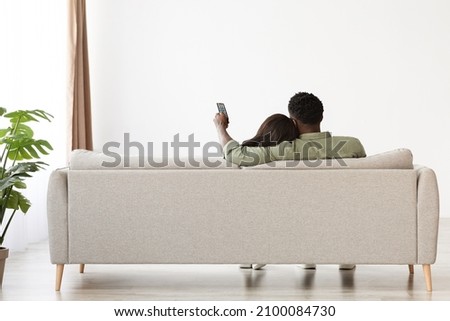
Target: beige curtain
(80, 132)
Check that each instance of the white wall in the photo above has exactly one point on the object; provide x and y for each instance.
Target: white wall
(380, 67)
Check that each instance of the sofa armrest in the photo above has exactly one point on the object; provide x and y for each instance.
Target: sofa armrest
(427, 215)
(57, 215)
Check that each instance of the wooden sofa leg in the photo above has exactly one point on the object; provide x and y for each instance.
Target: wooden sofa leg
(427, 273)
(411, 269)
(81, 268)
(59, 275)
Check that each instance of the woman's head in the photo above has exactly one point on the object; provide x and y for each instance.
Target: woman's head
(274, 130)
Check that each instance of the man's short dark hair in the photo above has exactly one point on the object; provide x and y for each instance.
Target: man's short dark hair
(306, 108)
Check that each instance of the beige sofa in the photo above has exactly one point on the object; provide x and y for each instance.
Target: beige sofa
(376, 210)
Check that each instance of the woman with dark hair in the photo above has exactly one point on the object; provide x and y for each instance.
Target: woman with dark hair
(274, 130)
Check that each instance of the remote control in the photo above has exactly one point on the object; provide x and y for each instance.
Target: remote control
(222, 109)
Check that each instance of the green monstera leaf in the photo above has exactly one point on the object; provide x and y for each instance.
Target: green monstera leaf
(18, 149)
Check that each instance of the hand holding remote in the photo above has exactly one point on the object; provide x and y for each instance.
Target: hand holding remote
(221, 120)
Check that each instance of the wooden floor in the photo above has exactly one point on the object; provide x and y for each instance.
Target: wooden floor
(30, 276)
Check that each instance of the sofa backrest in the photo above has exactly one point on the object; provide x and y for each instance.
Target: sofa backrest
(231, 216)
(395, 159)
(89, 160)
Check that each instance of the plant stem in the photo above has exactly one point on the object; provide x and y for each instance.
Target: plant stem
(4, 206)
(4, 161)
(4, 151)
(15, 158)
(5, 157)
(6, 228)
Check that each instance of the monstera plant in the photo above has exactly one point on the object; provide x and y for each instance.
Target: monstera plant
(18, 153)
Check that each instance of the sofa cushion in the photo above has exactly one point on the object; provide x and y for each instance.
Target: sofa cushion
(81, 159)
(395, 159)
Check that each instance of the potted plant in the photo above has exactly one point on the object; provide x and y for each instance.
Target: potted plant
(18, 149)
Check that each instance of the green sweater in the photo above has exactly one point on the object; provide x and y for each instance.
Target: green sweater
(307, 147)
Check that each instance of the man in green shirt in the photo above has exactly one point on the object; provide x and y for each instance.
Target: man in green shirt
(306, 111)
